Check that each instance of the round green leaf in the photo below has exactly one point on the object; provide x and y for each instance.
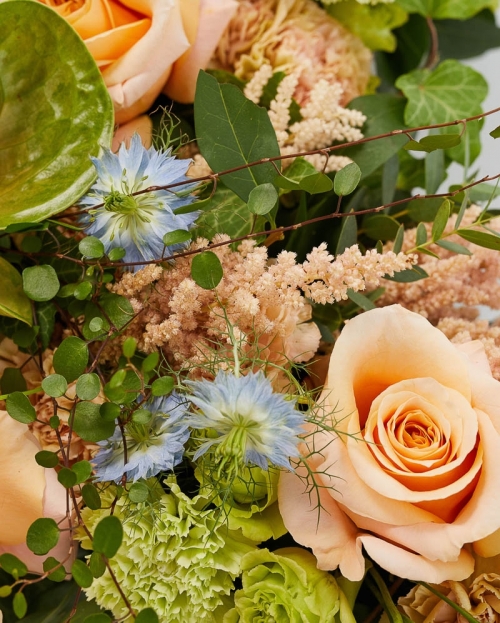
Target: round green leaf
(109, 411)
(81, 574)
(117, 379)
(66, 477)
(206, 270)
(46, 458)
(88, 423)
(177, 236)
(347, 179)
(262, 199)
(83, 470)
(142, 416)
(59, 574)
(91, 247)
(139, 492)
(162, 386)
(42, 536)
(117, 254)
(96, 324)
(5, 591)
(12, 565)
(91, 497)
(56, 112)
(97, 564)
(82, 290)
(40, 282)
(147, 616)
(150, 363)
(88, 386)
(108, 536)
(129, 346)
(54, 422)
(12, 381)
(20, 408)
(71, 358)
(20, 605)
(54, 385)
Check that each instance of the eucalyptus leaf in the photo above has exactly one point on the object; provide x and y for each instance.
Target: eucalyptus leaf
(454, 247)
(347, 179)
(441, 220)
(262, 199)
(481, 238)
(381, 227)
(13, 301)
(233, 131)
(55, 113)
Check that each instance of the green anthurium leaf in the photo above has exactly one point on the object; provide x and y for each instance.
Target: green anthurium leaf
(443, 9)
(451, 91)
(233, 131)
(55, 111)
(372, 24)
(13, 301)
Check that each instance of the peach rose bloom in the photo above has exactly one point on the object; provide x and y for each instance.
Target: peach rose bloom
(27, 492)
(137, 44)
(412, 475)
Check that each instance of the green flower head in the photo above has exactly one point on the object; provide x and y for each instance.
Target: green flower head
(286, 585)
(176, 557)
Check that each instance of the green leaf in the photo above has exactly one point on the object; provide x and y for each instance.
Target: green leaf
(399, 239)
(117, 308)
(12, 565)
(88, 386)
(83, 471)
(138, 492)
(59, 575)
(71, 358)
(372, 24)
(48, 459)
(91, 247)
(441, 220)
(88, 423)
(409, 275)
(443, 9)
(98, 617)
(54, 385)
(434, 141)
(177, 236)
(141, 416)
(108, 536)
(381, 227)
(66, 477)
(233, 131)
(434, 171)
(390, 172)
(421, 237)
(316, 183)
(482, 239)
(262, 199)
(91, 497)
(81, 574)
(384, 114)
(162, 386)
(150, 363)
(348, 234)
(56, 112)
(97, 564)
(82, 290)
(128, 347)
(42, 536)
(40, 283)
(46, 315)
(13, 301)
(109, 411)
(96, 324)
(449, 92)
(20, 408)
(347, 179)
(496, 132)
(361, 300)
(12, 381)
(147, 616)
(19, 605)
(454, 247)
(424, 209)
(206, 270)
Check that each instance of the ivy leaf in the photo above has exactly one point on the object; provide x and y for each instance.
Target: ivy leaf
(55, 111)
(372, 24)
(451, 91)
(13, 301)
(233, 131)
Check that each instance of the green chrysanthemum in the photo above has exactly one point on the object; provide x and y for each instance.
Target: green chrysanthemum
(175, 557)
(287, 586)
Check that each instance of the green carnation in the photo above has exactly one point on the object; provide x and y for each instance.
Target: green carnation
(176, 557)
(286, 585)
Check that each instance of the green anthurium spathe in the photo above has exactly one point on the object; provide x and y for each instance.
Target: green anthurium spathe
(55, 112)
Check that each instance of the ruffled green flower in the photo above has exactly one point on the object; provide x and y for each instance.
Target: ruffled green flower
(176, 557)
(287, 586)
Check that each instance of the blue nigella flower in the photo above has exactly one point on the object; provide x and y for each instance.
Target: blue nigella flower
(138, 223)
(254, 424)
(151, 448)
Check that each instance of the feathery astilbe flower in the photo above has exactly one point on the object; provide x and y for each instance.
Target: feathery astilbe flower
(152, 448)
(254, 425)
(137, 223)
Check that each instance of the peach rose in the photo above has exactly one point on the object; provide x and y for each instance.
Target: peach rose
(136, 44)
(412, 475)
(27, 492)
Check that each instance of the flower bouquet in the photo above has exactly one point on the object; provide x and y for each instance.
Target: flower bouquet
(245, 370)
